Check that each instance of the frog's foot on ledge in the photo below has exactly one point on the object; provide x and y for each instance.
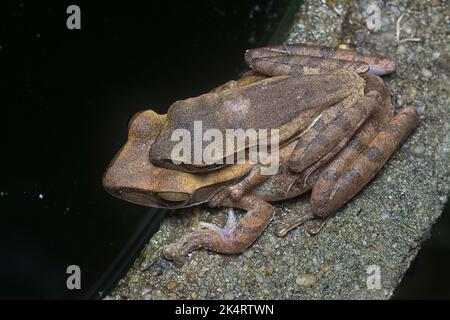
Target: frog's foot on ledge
(178, 250)
(318, 226)
(233, 238)
(285, 226)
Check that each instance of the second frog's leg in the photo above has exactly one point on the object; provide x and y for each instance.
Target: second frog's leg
(300, 65)
(234, 238)
(328, 58)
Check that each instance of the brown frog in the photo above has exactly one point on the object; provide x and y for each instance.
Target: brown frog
(336, 125)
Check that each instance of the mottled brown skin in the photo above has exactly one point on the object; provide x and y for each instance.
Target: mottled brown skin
(334, 138)
(244, 107)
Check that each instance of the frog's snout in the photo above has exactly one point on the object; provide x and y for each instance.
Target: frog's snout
(125, 189)
(139, 191)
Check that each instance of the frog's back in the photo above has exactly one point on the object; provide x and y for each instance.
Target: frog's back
(287, 103)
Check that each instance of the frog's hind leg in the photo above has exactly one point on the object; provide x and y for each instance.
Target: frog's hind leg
(328, 58)
(325, 138)
(284, 227)
(301, 65)
(234, 238)
(318, 225)
(356, 165)
(333, 130)
(353, 168)
(330, 133)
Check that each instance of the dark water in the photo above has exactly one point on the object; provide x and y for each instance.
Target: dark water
(428, 276)
(66, 99)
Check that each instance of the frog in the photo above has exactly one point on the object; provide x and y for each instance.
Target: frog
(337, 128)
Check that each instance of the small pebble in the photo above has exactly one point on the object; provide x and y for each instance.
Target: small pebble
(427, 73)
(420, 149)
(194, 295)
(248, 253)
(269, 270)
(172, 285)
(306, 280)
(203, 293)
(228, 296)
(436, 55)
(401, 49)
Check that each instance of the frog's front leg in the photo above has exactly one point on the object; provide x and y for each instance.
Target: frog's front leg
(234, 238)
(236, 191)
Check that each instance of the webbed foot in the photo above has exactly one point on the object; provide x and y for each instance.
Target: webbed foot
(233, 238)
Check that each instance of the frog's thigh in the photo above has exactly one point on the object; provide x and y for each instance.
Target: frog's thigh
(302, 65)
(377, 65)
(329, 133)
(346, 176)
(233, 238)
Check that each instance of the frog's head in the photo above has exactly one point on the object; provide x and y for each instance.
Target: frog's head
(131, 175)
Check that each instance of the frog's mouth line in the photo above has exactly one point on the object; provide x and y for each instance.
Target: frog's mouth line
(184, 167)
(134, 196)
(173, 200)
(149, 199)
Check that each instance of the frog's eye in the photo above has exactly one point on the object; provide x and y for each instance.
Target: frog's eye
(132, 118)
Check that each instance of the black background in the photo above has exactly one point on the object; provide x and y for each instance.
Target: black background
(66, 99)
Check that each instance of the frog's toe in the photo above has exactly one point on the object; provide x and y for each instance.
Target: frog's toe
(171, 252)
(229, 225)
(285, 226)
(209, 236)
